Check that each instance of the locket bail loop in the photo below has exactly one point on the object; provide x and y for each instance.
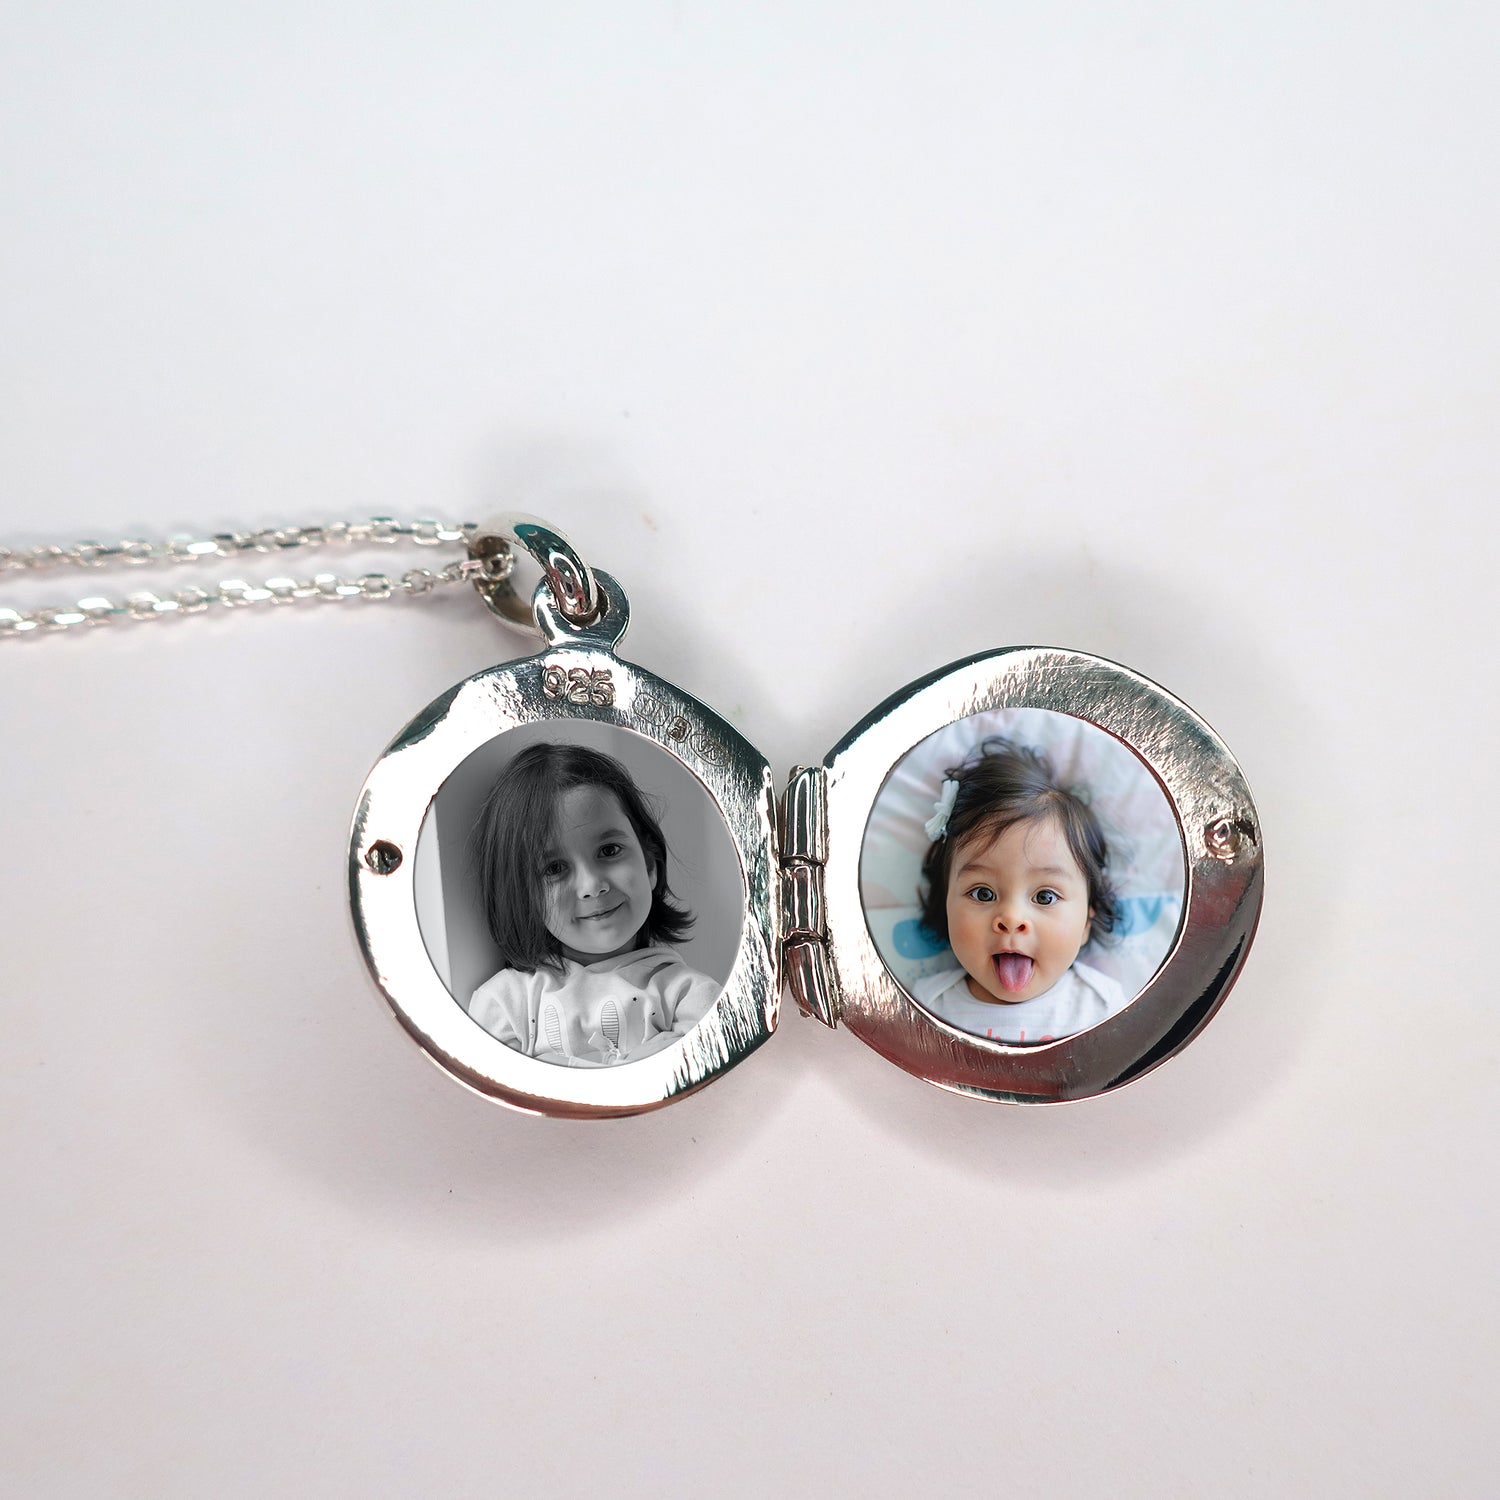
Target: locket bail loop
(574, 589)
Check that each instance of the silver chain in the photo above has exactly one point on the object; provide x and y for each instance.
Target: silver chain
(236, 593)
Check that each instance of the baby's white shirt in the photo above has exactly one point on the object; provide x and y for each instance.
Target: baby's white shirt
(1080, 999)
(595, 1015)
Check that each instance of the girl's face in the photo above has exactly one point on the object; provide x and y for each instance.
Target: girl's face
(596, 878)
(1018, 911)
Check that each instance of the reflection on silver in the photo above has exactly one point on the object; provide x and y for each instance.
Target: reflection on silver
(1228, 836)
(1214, 813)
(804, 920)
(396, 798)
(803, 823)
(569, 579)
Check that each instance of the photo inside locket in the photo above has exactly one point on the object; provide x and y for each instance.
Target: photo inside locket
(1022, 875)
(578, 893)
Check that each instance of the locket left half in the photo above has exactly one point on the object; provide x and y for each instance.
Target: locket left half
(415, 891)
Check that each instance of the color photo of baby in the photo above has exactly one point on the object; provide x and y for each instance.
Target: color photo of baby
(1045, 898)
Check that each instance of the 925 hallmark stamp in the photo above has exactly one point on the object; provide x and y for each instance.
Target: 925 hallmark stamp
(578, 685)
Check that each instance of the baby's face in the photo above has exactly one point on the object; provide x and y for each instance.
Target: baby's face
(597, 879)
(1018, 911)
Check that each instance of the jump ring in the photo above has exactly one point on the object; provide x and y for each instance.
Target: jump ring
(568, 576)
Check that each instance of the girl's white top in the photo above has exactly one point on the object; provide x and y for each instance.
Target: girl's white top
(1080, 999)
(595, 1015)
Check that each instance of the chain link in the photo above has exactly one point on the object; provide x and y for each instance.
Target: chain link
(236, 593)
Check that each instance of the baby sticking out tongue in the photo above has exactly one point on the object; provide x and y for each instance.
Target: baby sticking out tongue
(1013, 970)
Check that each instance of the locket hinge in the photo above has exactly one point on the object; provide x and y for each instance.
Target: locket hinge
(804, 851)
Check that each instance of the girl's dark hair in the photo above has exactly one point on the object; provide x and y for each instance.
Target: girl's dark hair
(518, 824)
(1003, 785)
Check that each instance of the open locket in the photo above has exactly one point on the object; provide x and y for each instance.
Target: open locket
(696, 901)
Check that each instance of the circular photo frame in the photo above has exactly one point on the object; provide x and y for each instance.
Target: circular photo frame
(681, 827)
(1025, 832)
(1158, 938)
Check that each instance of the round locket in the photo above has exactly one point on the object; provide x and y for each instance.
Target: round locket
(1031, 876)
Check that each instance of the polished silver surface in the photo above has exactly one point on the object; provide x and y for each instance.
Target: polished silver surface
(572, 590)
(576, 675)
(804, 816)
(1221, 840)
(803, 823)
(231, 593)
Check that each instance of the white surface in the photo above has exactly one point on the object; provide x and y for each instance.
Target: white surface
(851, 340)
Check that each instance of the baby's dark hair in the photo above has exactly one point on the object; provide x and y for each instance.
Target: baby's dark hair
(1005, 784)
(518, 824)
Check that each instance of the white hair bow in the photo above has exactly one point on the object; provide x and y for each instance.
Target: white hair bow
(937, 825)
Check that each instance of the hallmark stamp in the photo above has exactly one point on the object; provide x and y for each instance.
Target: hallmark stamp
(578, 685)
(679, 729)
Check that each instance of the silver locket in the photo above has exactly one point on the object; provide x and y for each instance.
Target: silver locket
(815, 889)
